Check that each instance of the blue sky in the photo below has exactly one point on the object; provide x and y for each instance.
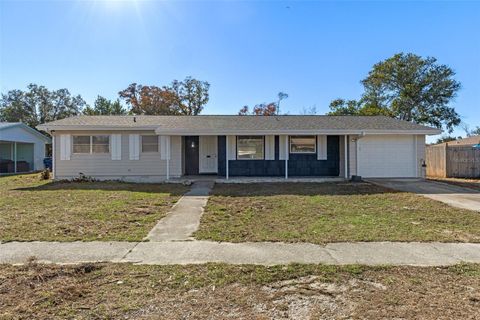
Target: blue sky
(248, 51)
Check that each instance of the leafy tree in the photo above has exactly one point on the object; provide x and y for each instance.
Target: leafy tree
(103, 106)
(191, 95)
(309, 111)
(471, 133)
(408, 87)
(149, 100)
(186, 97)
(281, 96)
(264, 109)
(444, 139)
(475, 132)
(38, 105)
(341, 107)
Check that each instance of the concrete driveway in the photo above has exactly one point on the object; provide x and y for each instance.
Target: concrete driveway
(453, 195)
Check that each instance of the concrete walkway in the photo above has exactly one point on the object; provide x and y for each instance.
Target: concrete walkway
(184, 218)
(454, 196)
(262, 253)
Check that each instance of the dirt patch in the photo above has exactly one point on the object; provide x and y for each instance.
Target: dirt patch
(217, 291)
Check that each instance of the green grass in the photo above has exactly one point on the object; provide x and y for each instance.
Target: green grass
(31, 209)
(333, 212)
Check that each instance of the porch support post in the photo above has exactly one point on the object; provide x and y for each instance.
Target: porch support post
(287, 151)
(15, 156)
(168, 157)
(53, 155)
(346, 156)
(226, 157)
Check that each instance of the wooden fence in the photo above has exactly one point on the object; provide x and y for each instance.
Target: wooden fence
(452, 161)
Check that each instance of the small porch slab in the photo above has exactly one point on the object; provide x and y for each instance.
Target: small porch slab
(278, 179)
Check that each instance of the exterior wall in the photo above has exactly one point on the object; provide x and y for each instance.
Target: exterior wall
(421, 156)
(298, 164)
(149, 168)
(22, 135)
(352, 155)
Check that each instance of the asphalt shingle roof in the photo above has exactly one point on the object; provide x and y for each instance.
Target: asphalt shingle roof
(240, 123)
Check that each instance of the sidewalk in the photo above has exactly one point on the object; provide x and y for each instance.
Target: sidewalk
(262, 253)
(184, 218)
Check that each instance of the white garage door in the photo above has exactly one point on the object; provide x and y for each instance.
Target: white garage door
(387, 156)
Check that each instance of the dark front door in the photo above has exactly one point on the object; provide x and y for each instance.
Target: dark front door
(191, 155)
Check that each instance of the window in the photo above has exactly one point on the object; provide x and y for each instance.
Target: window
(302, 144)
(100, 144)
(149, 143)
(250, 147)
(81, 144)
(91, 144)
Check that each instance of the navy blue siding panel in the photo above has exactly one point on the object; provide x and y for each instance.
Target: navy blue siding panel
(298, 164)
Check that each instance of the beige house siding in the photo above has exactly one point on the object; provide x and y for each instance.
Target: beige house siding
(421, 155)
(352, 155)
(149, 167)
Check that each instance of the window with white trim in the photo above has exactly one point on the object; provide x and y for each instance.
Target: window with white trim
(149, 143)
(303, 144)
(91, 144)
(250, 147)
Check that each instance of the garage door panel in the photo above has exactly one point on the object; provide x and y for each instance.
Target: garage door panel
(386, 156)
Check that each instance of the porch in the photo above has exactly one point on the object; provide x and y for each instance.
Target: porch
(265, 158)
(16, 157)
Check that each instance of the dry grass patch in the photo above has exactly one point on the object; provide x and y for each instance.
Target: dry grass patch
(331, 212)
(466, 183)
(218, 291)
(31, 209)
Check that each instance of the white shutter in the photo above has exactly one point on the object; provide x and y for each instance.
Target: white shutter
(321, 147)
(165, 147)
(134, 146)
(269, 147)
(232, 148)
(65, 146)
(116, 145)
(283, 148)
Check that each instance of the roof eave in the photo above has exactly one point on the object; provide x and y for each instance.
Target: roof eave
(186, 131)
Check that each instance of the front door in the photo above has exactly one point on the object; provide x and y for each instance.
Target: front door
(208, 154)
(191, 155)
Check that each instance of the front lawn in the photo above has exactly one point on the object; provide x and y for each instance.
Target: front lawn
(31, 209)
(331, 212)
(219, 291)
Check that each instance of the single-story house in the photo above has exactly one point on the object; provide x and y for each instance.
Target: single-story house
(472, 141)
(155, 148)
(22, 149)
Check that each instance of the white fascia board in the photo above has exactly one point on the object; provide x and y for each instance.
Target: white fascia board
(161, 131)
(209, 132)
(50, 128)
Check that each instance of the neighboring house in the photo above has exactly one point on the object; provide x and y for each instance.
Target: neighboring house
(155, 148)
(22, 149)
(465, 142)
